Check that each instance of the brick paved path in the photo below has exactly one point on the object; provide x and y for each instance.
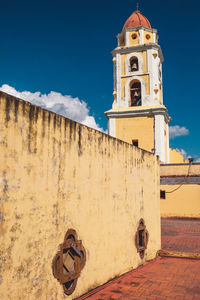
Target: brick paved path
(182, 235)
(163, 278)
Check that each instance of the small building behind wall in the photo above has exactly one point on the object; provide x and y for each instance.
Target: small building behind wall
(58, 175)
(180, 183)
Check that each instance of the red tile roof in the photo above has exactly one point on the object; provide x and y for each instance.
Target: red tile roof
(137, 19)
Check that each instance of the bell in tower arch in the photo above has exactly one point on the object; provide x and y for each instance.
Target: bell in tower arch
(135, 67)
(134, 64)
(135, 94)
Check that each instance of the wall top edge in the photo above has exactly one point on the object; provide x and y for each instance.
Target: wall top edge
(12, 98)
(181, 164)
(150, 112)
(137, 109)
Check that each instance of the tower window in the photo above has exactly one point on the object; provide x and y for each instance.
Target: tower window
(148, 36)
(135, 93)
(162, 194)
(134, 36)
(135, 143)
(133, 64)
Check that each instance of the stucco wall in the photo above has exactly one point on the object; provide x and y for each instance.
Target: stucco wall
(184, 169)
(57, 174)
(176, 157)
(184, 202)
(181, 200)
(141, 128)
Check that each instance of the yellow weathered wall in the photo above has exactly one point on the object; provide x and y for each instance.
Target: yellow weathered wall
(57, 174)
(184, 170)
(176, 157)
(141, 128)
(185, 202)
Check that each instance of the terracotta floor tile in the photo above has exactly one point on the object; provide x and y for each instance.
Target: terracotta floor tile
(163, 278)
(182, 235)
(177, 282)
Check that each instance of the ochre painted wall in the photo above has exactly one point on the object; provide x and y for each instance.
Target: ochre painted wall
(141, 128)
(184, 202)
(57, 174)
(176, 157)
(184, 170)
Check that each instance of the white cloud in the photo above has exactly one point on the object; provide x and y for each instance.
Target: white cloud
(176, 130)
(183, 153)
(187, 156)
(65, 105)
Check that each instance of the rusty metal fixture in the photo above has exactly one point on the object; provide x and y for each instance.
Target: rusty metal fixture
(69, 261)
(141, 238)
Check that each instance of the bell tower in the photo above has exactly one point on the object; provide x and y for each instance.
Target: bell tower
(138, 115)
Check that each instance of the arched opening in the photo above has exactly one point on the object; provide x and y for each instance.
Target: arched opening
(135, 93)
(133, 64)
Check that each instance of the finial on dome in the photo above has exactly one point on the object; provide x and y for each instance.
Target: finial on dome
(137, 6)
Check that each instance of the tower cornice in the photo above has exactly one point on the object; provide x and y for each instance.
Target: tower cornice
(140, 27)
(122, 50)
(139, 112)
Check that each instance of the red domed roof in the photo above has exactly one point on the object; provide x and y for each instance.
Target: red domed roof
(135, 20)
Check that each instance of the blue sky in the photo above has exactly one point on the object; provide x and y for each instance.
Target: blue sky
(64, 46)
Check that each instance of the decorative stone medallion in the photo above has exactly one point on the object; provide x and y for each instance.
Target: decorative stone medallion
(69, 261)
(141, 238)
